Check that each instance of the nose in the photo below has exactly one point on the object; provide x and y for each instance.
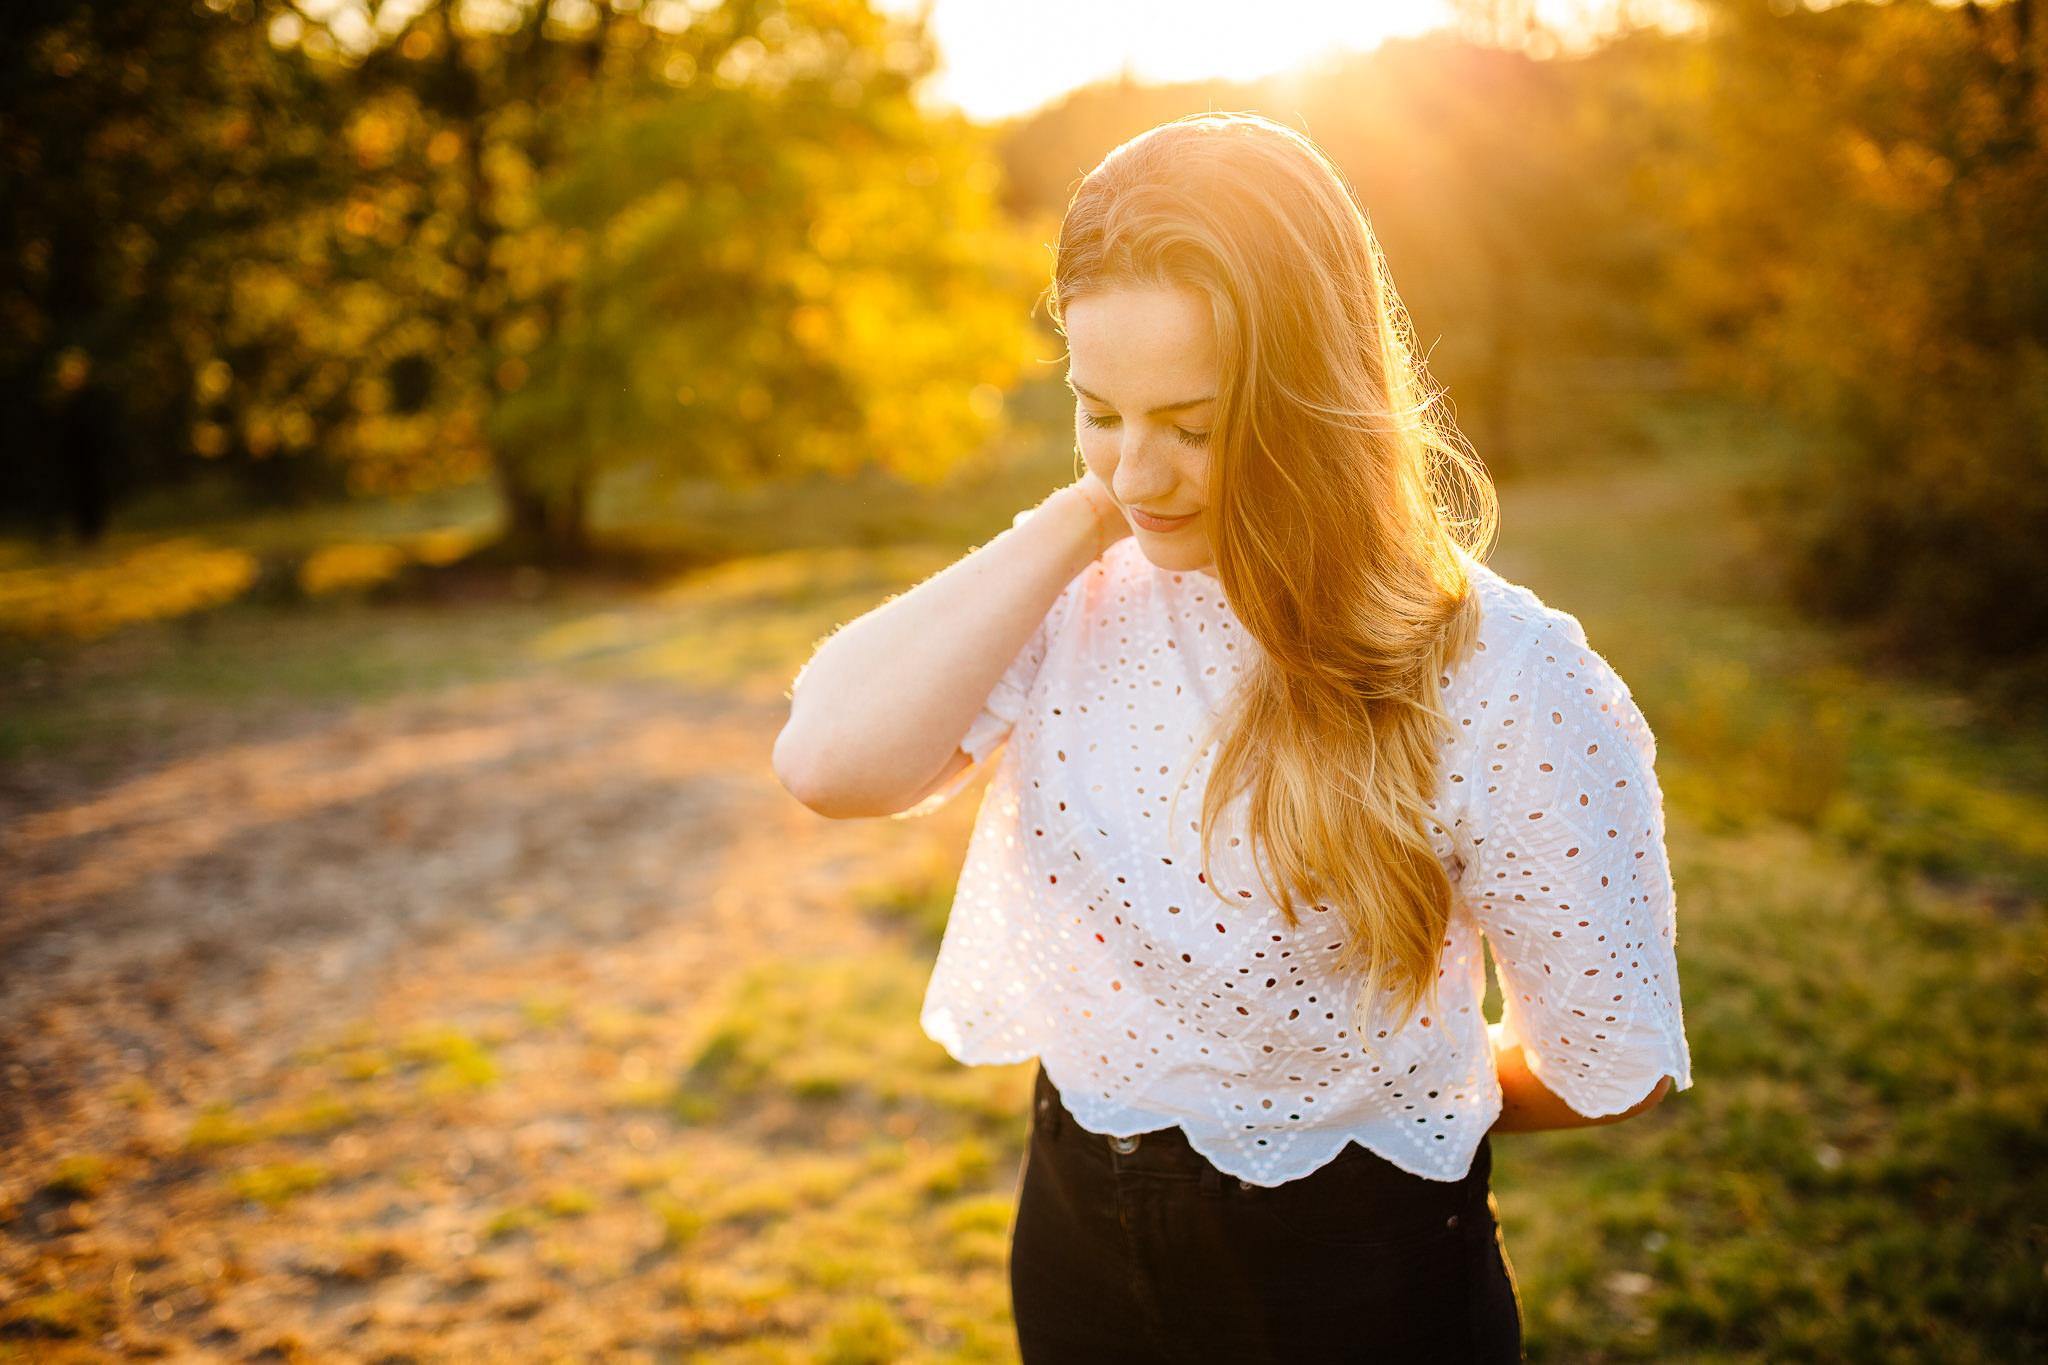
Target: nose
(1143, 473)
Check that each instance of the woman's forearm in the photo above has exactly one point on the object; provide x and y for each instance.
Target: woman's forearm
(1527, 1105)
(877, 716)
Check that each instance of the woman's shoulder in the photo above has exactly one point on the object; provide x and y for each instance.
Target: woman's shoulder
(1513, 620)
(1532, 660)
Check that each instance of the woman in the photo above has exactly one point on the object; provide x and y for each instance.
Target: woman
(1275, 751)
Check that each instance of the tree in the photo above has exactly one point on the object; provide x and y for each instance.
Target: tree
(143, 142)
(1869, 217)
(1506, 190)
(722, 242)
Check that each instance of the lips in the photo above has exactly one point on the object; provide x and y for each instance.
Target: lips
(1145, 521)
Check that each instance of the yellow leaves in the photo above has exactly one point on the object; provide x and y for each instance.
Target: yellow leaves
(361, 218)
(62, 60)
(983, 177)
(213, 380)
(813, 328)
(524, 332)
(74, 367)
(749, 64)
(831, 240)
(534, 262)
(338, 568)
(680, 69)
(375, 137)
(401, 455)
(370, 395)
(907, 56)
(444, 547)
(512, 176)
(165, 579)
(295, 427)
(735, 254)
(626, 33)
(1908, 179)
(809, 276)
(985, 401)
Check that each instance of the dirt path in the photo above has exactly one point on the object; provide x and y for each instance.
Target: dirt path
(417, 951)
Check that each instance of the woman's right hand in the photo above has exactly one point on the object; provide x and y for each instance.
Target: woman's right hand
(1111, 525)
(877, 716)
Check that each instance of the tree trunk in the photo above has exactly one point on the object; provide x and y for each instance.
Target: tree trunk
(544, 526)
(84, 440)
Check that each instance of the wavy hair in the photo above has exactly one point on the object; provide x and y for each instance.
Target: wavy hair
(1346, 509)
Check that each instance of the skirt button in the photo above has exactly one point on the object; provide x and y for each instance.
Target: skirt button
(1123, 1146)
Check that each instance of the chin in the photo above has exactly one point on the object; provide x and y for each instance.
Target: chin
(1177, 553)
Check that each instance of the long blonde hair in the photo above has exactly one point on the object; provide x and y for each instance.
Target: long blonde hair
(1344, 508)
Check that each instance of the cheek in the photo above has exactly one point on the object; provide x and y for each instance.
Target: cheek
(1098, 450)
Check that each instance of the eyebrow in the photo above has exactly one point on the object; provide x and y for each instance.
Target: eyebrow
(1184, 404)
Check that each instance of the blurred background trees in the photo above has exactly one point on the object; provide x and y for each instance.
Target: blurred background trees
(1865, 217)
(727, 246)
(150, 152)
(534, 241)
(1841, 212)
(556, 243)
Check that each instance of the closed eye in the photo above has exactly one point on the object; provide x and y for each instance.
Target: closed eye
(1103, 421)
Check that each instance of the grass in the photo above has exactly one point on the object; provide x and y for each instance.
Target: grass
(78, 1177)
(833, 1031)
(777, 568)
(275, 1185)
(1859, 1175)
(454, 1060)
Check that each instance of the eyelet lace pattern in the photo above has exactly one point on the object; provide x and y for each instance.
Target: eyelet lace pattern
(1085, 934)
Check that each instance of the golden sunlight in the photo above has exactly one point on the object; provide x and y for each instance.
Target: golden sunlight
(1000, 60)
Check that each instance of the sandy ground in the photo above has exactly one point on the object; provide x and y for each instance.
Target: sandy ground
(219, 933)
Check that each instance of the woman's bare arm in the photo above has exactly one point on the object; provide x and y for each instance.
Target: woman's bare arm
(1527, 1105)
(877, 716)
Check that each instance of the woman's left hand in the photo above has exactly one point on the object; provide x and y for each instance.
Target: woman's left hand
(1527, 1105)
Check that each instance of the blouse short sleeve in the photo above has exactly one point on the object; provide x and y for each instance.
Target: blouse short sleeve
(992, 724)
(1566, 869)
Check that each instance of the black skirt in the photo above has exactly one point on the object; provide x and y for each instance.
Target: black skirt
(1153, 1255)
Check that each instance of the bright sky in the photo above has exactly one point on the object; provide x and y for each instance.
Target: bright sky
(1003, 57)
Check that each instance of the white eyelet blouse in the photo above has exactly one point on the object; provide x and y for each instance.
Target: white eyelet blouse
(1083, 932)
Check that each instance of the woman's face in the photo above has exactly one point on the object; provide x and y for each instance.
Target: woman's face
(1142, 364)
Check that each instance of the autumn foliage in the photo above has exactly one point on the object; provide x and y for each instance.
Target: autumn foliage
(560, 244)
